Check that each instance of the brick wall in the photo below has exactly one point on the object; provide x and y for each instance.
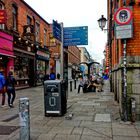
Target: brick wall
(24, 10)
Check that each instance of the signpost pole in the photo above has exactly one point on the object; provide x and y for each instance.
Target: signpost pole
(124, 82)
(62, 53)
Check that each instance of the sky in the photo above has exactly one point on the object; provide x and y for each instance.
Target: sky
(77, 13)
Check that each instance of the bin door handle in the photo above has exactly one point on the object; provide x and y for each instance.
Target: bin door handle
(52, 101)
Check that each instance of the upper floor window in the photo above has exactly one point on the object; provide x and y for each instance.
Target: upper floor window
(45, 37)
(14, 12)
(1, 8)
(37, 31)
(29, 20)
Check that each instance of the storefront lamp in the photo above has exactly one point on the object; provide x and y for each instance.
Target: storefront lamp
(102, 22)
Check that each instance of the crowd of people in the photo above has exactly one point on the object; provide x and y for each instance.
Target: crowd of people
(7, 85)
(92, 84)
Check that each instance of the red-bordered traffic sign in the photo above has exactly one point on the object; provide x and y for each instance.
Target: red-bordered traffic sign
(123, 16)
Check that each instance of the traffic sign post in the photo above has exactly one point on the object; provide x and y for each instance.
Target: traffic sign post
(123, 23)
(124, 30)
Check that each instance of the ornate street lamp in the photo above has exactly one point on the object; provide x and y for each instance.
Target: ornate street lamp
(102, 22)
(104, 52)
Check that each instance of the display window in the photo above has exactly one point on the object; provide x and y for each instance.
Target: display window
(21, 67)
(40, 71)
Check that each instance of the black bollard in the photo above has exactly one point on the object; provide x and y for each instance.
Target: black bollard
(70, 85)
(75, 83)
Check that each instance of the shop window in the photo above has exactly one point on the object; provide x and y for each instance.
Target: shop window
(40, 71)
(21, 67)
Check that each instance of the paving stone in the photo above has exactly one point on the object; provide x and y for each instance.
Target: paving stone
(124, 132)
(102, 118)
(125, 138)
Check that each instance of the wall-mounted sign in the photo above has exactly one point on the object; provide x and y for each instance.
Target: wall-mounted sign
(28, 29)
(123, 23)
(76, 36)
(3, 17)
(56, 30)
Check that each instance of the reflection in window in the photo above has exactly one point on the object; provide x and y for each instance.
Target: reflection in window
(40, 70)
(21, 67)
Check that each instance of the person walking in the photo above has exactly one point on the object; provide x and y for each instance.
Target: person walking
(81, 84)
(58, 76)
(2, 88)
(10, 83)
(52, 75)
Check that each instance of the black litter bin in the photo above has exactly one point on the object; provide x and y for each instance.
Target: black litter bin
(55, 98)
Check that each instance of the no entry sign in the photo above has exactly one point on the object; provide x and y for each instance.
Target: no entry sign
(123, 16)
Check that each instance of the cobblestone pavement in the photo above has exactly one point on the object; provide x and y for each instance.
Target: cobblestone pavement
(90, 116)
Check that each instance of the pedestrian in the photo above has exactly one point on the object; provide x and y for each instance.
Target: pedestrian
(46, 77)
(10, 83)
(58, 76)
(2, 88)
(81, 84)
(52, 76)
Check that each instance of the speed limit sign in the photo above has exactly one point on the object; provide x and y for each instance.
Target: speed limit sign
(123, 16)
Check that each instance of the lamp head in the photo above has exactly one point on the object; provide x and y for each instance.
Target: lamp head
(102, 22)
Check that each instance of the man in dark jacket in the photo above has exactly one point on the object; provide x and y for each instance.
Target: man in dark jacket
(10, 83)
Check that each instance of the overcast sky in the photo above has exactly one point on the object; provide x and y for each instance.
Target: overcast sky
(77, 13)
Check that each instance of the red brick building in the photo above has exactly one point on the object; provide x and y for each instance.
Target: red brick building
(117, 56)
(30, 36)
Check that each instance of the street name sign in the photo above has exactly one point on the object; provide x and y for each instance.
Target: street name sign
(56, 30)
(74, 36)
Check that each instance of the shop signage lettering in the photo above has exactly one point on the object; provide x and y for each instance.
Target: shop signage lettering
(43, 54)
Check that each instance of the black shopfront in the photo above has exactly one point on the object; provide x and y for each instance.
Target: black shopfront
(24, 68)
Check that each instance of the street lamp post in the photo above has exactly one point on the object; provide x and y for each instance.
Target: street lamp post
(102, 23)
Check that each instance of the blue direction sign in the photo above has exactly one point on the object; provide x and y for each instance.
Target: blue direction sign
(56, 30)
(76, 36)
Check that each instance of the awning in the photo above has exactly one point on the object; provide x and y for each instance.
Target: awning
(9, 55)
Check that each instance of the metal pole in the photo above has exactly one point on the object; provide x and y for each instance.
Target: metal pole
(124, 82)
(24, 119)
(62, 53)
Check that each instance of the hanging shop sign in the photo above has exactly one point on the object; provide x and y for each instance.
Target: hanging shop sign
(123, 23)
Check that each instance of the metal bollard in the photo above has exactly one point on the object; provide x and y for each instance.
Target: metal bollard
(133, 109)
(24, 119)
(70, 85)
(75, 83)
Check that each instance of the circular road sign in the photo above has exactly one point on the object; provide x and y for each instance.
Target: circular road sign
(123, 16)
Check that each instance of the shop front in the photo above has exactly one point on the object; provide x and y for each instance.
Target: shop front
(24, 68)
(6, 53)
(42, 64)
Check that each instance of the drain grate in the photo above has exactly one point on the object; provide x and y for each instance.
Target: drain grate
(7, 130)
(11, 118)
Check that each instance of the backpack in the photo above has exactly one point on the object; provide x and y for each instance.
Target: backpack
(10, 84)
